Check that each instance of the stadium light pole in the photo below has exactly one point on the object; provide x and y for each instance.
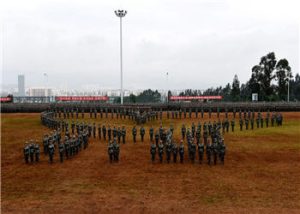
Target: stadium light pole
(121, 14)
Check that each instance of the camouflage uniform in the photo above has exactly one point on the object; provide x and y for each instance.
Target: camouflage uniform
(181, 151)
(61, 152)
(123, 134)
(142, 133)
(200, 152)
(134, 131)
(153, 152)
(51, 152)
(175, 151)
(111, 152)
(26, 152)
(37, 152)
(160, 151)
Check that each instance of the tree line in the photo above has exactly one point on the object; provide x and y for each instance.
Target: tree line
(269, 79)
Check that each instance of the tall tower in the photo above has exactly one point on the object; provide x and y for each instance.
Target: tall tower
(21, 85)
(121, 14)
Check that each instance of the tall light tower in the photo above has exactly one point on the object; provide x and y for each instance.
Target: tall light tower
(121, 14)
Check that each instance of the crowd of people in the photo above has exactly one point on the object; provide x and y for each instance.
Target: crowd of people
(67, 147)
(214, 151)
(203, 139)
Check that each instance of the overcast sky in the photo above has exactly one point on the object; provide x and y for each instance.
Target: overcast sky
(200, 43)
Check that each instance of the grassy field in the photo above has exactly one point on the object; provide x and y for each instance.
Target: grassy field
(261, 174)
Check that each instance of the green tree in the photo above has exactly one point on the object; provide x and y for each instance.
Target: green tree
(226, 92)
(246, 92)
(148, 96)
(254, 84)
(283, 75)
(132, 98)
(235, 89)
(295, 88)
(266, 75)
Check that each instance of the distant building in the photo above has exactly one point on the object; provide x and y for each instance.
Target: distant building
(21, 85)
(40, 92)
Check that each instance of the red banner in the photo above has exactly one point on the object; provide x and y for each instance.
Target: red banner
(195, 97)
(5, 99)
(81, 98)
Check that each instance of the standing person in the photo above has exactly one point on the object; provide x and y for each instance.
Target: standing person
(99, 131)
(200, 151)
(37, 152)
(45, 144)
(232, 125)
(109, 133)
(267, 121)
(168, 151)
(61, 152)
(246, 123)
(110, 151)
(193, 151)
(241, 124)
(26, 151)
(160, 151)
(205, 136)
(153, 151)
(181, 151)
(175, 151)
(123, 134)
(115, 132)
(104, 132)
(94, 130)
(193, 130)
(198, 135)
(222, 151)
(119, 134)
(134, 131)
(208, 152)
(215, 152)
(252, 123)
(32, 150)
(183, 131)
(51, 150)
(257, 122)
(261, 122)
(142, 133)
(151, 132)
(67, 147)
(116, 149)
(156, 137)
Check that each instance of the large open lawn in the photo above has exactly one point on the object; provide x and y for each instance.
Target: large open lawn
(261, 174)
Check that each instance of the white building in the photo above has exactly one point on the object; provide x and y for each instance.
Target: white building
(40, 92)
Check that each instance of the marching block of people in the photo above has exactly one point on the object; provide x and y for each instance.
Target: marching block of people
(214, 151)
(66, 148)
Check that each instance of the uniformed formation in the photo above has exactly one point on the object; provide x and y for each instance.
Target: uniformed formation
(167, 147)
(201, 141)
(67, 148)
(139, 115)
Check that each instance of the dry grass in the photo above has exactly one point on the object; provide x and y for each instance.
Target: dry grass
(261, 174)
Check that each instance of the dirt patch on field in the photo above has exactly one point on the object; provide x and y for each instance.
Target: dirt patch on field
(260, 175)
